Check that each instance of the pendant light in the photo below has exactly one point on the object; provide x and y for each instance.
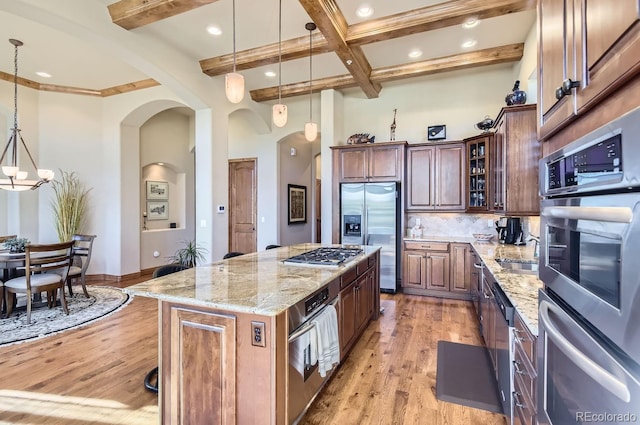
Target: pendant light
(279, 109)
(17, 178)
(310, 128)
(233, 81)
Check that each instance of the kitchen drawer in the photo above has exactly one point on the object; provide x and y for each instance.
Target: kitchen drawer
(525, 338)
(523, 369)
(524, 410)
(426, 245)
(362, 266)
(347, 277)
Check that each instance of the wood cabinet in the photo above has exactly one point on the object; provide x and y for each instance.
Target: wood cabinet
(478, 170)
(436, 268)
(524, 374)
(516, 152)
(435, 177)
(357, 302)
(374, 162)
(587, 50)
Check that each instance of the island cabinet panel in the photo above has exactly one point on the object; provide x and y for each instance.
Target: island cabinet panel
(587, 50)
(209, 367)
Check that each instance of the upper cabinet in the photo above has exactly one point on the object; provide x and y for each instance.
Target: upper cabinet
(587, 49)
(515, 157)
(478, 172)
(375, 162)
(435, 177)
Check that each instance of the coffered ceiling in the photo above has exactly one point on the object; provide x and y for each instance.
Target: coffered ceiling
(348, 50)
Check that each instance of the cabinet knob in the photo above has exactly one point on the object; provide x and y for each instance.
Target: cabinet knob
(566, 87)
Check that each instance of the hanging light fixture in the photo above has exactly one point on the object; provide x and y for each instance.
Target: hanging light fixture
(17, 179)
(279, 109)
(233, 81)
(310, 128)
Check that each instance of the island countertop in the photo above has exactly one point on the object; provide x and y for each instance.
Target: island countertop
(258, 283)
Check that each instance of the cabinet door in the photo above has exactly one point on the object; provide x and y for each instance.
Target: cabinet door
(460, 268)
(607, 46)
(438, 271)
(449, 179)
(414, 270)
(478, 172)
(363, 297)
(347, 318)
(385, 163)
(353, 165)
(420, 162)
(556, 63)
(498, 175)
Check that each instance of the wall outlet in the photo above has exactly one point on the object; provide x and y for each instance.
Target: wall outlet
(257, 334)
(418, 222)
(489, 223)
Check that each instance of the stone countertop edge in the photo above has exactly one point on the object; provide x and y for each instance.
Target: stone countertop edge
(521, 289)
(256, 283)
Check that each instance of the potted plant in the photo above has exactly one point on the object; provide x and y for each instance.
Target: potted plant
(69, 205)
(189, 255)
(16, 244)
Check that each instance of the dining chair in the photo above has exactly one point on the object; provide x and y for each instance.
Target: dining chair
(82, 247)
(273, 246)
(40, 259)
(3, 239)
(232, 254)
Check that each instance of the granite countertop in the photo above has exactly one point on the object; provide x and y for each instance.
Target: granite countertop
(521, 289)
(257, 283)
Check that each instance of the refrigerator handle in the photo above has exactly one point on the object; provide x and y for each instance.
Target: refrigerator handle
(365, 233)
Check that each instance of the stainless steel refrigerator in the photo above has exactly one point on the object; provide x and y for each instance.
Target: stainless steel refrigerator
(370, 215)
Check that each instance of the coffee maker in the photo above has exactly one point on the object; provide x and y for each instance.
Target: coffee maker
(510, 230)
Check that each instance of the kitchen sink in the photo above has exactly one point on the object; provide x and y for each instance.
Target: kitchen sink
(518, 266)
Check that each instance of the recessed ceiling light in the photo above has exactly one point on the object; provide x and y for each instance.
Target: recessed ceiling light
(43, 74)
(270, 74)
(416, 53)
(214, 30)
(364, 11)
(469, 43)
(160, 163)
(470, 23)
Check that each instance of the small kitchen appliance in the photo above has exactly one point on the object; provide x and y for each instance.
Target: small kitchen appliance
(509, 230)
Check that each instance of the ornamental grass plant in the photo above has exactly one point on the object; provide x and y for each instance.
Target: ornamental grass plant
(69, 205)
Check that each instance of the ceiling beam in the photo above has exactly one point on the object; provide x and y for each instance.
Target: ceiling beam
(387, 28)
(492, 56)
(332, 24)
(130, 14)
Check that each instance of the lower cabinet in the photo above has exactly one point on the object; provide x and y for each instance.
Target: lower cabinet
(357, 303)
(436, 268)
(524, 374)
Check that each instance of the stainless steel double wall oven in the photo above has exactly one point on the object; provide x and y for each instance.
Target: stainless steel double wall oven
(589, 309)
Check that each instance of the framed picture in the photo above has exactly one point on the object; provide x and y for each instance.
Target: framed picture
(157, 190)
(297, 204)
(157, 210)
(437, 132)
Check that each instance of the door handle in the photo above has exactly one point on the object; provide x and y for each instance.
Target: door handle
(588, 366)
(610, 214)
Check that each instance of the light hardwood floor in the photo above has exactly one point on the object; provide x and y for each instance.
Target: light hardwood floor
(94, 374)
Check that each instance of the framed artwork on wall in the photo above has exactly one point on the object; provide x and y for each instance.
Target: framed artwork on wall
(437, 132)
(157, 210)
(157, 190)
(297, 202)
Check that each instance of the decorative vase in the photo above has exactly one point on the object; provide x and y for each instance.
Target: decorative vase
(517, 96)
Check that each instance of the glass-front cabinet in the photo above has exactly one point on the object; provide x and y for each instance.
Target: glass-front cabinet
(478, 174)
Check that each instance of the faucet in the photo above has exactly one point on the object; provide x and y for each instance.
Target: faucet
(536, 249)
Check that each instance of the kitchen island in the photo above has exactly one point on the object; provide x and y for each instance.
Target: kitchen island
(224, 330)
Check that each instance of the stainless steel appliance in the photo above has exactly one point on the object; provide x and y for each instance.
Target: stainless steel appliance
(589, 344)
(497, 321)
(370, 215)
(509, 230)
(304, 380)
(325, 256)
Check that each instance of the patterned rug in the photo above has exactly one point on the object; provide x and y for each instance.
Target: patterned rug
(102, 301)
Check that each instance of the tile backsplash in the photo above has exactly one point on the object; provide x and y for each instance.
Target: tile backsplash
(460, 224)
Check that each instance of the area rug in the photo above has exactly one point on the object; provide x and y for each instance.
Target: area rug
(465, 376)
(102, 302)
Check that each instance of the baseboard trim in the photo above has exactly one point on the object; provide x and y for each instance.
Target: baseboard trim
(101, 278)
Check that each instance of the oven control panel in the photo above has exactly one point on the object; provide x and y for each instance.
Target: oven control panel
(316, 300)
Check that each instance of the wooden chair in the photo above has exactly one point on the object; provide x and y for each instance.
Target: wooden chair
(6, 238)
(82, 247)
(40, 259)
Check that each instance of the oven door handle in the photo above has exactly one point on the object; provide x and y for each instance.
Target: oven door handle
(588, 366)
(310, 324)
(610, 214)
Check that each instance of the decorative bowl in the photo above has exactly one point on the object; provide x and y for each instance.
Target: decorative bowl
(483, 236)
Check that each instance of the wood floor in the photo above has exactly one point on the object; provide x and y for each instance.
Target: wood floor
(94, 375)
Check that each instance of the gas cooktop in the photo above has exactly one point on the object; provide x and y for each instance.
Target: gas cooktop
(325, 256)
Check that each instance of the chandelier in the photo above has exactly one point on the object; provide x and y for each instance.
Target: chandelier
(16, 178)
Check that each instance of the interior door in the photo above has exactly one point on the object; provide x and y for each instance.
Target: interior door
(242, 205)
